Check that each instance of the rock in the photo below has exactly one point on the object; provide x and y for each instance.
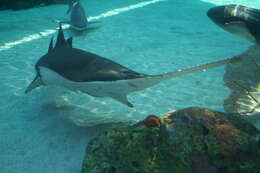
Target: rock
(201, 164)
(150, 121)
(243, 79)
(192, 140)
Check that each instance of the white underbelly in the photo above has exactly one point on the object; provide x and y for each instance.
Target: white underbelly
(98, 88)
(240, 30)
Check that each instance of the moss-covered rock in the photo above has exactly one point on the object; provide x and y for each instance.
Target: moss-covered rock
(191, 140)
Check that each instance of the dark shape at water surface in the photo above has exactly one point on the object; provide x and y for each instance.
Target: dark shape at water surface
(24, 4)
(237, 19)
(78, 19)
(97, 76)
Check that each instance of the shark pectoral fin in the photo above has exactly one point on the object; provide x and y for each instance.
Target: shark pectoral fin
(123, 99)
(34, 84)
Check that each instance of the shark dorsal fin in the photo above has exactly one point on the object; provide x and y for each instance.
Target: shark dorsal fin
(60, 39)
(50, 45)
(69, 42)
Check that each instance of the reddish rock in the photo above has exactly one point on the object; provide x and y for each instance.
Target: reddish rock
(150, 121)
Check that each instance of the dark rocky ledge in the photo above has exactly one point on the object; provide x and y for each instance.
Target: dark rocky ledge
(24, 4)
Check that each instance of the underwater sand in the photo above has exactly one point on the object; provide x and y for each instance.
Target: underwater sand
(47, 130)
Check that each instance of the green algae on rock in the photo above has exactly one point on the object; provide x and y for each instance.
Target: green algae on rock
(192, 140)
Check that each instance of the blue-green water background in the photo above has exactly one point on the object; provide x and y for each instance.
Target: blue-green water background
(47, 130)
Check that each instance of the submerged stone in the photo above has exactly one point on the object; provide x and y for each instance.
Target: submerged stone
(192, 140)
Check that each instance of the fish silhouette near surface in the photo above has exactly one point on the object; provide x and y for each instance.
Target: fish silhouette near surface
(79, 70)
(239, 20)
(78, 19)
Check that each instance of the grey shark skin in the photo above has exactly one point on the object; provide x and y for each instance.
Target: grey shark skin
(237, 19)
(78, 19)
(97, 76)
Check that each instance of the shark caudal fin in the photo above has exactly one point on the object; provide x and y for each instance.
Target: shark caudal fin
(198, 68)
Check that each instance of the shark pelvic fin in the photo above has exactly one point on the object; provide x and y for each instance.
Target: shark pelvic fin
(123, 99)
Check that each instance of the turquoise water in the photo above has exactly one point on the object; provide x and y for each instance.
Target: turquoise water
(47, 130)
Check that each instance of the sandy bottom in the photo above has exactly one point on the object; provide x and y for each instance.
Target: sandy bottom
(47, 130)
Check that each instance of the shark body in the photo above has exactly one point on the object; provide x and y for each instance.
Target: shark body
(79, 70)
(239, 20)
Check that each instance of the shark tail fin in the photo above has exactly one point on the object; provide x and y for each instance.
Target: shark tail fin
(199, 68)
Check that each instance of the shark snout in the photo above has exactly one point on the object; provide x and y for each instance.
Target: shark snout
(34, 84)
(217, 15)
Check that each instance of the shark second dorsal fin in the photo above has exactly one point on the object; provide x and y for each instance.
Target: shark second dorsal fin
(61, 42)
(50, 45)
(60, 39)
(69, 42)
